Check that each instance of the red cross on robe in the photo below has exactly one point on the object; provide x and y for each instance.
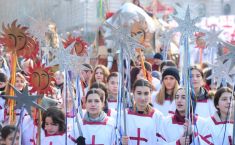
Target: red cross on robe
(93, 141)
(138, 138)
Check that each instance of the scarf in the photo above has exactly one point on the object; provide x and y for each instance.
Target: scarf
(100, 118)
(180, 119)
(201, 96)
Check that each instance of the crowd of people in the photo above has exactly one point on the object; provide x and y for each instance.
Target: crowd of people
(160, 110)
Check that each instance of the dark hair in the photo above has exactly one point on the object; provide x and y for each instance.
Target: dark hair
(218, 94)
(132, 63)
(148, 66)
(3, 77)
(113, 74)
(96, 91)
(158, 56)
(88, 66)
(102, 86)
(57, 117)
(167, 63)
(7, 130)
(134, 72)
(198, 69)
(142, 82)
(207, 72)
(173, 72)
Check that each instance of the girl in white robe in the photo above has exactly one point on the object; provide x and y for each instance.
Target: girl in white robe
(219, 130)
(164, 98)
(97, 127)
(53, 124)
(202, 103)
(175, 129)
(143, 121)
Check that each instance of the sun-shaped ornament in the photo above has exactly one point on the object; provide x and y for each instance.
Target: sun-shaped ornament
(17, 40)
(80, 46)
(40, 79)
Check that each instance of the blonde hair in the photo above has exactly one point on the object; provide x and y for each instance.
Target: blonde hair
(160, 98)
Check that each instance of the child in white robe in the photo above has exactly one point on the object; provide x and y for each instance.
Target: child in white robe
(176, 130)
(219, 130)
(164, 98)
(202, 103)
(53, 124)
(143, 121)
(97, 127)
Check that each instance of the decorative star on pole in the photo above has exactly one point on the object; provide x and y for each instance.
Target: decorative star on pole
(46, 50)
(64, 58)
(38, 27)
(165, 38)
(220, 72)
(212, 38)
(24, 99)
(230, 55)
(187, 26)
(122, 39)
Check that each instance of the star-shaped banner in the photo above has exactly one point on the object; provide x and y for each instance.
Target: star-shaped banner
(212, 38)
(25, 100)
(230, 55)
(66, 60)
(221, 72)
(187, 26)
(38, 27)
(122, 39)
(165, 38)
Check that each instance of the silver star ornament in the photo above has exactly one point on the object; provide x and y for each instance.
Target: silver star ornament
(220, 72)
(25, 100)
(187, 26)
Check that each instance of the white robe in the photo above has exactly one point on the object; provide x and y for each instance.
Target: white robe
(57, 139)
(112, 113)
(204, 108)
(102, 133)
(166, 108)
(215, 131)
(171, 131)
(112, 104)
(142, 129)
(2, 107)
(29, 131)
(72, 128)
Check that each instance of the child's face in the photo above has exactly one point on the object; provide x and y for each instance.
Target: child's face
(51, 127)
(20, 83)
(99, 75)
(94, 105)
(113, 85)
(196, 78)
(225, 102)
(169, 82)
(59, 78)
(142, 96)
(10, 138)
(180, 100)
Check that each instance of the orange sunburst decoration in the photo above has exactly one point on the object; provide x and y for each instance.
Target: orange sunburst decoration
(80, 46)
(18, 40)
(40, 79)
